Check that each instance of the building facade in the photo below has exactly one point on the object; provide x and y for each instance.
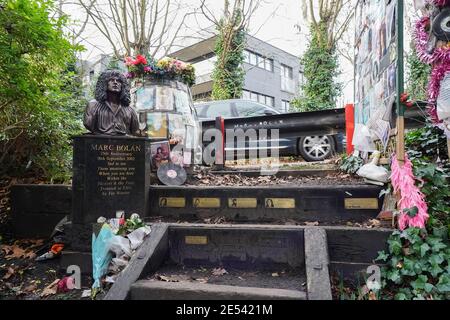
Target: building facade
(272, 76)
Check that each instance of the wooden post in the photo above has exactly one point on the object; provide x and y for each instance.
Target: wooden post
(400, 141)
(448, 148)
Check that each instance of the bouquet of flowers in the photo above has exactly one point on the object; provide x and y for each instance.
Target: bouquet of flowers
(141, 66)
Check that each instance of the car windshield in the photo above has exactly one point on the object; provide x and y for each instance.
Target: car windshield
(215, 109)
(251, 109)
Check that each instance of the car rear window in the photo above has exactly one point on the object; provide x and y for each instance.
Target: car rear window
(201, 110)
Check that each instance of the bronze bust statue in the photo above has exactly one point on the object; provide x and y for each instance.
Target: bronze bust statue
(110, 113)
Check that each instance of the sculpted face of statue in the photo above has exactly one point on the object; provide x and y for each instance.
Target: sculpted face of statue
(115, 85)
(110, 113)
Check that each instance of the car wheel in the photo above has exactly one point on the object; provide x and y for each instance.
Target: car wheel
(316, 148)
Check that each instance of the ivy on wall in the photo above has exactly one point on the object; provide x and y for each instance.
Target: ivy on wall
(320, 65)
(418, 77)
(228, 74)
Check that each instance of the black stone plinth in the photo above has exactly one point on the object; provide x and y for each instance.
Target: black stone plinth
(110, 174)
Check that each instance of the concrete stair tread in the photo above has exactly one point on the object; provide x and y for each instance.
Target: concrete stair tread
(158, 290)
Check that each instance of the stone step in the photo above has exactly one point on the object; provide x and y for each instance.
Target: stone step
(157, 290)
(325, 204)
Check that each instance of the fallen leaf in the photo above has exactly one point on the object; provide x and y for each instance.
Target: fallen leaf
(312, 224)
(30, 288)
(374, 223)
(362, 292)
(9, 274)
(163, 278)
(202, 280)
(219, 272)
(16, 252)
(275, 274)
(372, 296)
(51, 289)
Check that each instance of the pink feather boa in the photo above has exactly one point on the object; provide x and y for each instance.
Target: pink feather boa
(404, 183)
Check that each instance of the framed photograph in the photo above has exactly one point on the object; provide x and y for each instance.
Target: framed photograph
(157, 125)
(160, 154)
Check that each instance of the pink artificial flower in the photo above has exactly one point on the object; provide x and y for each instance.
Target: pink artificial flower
(129, 61)
(147, 69)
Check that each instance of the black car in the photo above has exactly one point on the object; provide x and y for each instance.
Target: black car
(311, 148)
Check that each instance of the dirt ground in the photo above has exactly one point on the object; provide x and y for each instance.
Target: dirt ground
(293, 279)
(22, 278)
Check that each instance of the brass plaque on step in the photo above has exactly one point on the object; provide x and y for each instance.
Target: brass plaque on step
(279, 203)
(196, 240)
(243, 203)
(361, 203)
(206, 202)
(172, 202)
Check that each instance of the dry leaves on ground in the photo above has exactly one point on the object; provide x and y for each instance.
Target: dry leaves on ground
(173, 278)
(11, 271)
(202, 280)
(16, 250)
(312, 224)
(219, 272)
(51, 289)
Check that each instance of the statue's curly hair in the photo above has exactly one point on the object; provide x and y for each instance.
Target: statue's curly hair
(102, 87)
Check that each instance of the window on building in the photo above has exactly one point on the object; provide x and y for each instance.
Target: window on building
(287, 79)
(253, 59)
(269, 65)
(258, 97)
(204, 69)
(286, 72)
(270, 101)
(247, 56)
(285, 106)
(258, 60)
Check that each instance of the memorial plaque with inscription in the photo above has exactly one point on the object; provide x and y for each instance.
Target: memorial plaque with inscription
(110, 174)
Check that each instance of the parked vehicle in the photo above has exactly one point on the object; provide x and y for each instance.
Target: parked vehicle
(291, 143)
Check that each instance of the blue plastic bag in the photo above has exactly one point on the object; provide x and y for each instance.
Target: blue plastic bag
(101, 256)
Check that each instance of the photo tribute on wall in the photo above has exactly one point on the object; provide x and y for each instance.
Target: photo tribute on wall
(375, 65)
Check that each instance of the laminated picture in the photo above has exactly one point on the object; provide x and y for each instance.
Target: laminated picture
(187, 158)
(385, 84)
(392, 79)
(391, 15)
(145, 98)
(190, 138)
(142, 118)
(160, 154)
(164, 98)
(176, 128)
(181, 99)
(157, 125)
(176, 157)
(382, 43)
